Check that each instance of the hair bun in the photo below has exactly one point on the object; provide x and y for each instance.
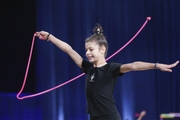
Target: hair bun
(98, 30)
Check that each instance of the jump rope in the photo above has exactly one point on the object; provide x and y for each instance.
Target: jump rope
(62, 84)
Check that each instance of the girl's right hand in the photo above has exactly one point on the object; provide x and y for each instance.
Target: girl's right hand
(42, 35)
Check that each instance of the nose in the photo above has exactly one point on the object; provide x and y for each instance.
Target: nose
(87, 52)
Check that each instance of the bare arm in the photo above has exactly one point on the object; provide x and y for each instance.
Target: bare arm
(139, 66)
(142, 114)
(61, 45)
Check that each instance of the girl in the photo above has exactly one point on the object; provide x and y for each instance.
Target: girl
(100, 75)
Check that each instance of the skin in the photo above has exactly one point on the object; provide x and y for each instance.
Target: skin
(95, 54)
(142, 114)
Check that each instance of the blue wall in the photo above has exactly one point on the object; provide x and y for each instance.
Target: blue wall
(72, 21)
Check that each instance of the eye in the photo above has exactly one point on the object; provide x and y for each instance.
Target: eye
(91, 49)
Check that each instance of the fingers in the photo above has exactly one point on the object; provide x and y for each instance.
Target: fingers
(41, 35)
(143, 113)
(37, 34)
(168, 70)
(174, 64)
(177, 62)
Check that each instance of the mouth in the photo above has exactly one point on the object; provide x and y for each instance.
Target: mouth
(90, 57)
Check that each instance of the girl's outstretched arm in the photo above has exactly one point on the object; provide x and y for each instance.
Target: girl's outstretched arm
(138, 66)
(61, 45)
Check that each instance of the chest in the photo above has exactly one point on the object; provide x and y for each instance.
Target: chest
(100, 79)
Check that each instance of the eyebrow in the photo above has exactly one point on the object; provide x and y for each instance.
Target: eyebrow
(89, 48)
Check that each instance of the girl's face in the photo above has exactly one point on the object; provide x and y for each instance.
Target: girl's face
(93, 51)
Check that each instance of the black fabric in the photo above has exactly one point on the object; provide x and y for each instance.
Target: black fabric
(99, 92)
(107, 117)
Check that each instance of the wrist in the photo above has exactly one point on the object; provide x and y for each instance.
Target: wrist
(155, 66)
(47, 38)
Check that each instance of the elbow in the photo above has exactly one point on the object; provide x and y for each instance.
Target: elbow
(134, 67)
(127, 68)
(68, 49)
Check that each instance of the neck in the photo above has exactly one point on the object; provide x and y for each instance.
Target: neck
(100, 63)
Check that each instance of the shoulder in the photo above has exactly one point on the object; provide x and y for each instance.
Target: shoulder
(114, 65)
(115, 68)
(86, 65)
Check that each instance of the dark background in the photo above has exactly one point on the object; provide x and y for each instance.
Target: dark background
(17, 24)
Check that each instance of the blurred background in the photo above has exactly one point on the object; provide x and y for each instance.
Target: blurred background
(72, 21)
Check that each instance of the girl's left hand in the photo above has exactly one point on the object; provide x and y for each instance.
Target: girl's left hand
(165, 67)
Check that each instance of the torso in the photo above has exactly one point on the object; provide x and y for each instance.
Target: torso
(99, 92)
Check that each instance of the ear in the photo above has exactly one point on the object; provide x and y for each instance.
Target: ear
(103, 49)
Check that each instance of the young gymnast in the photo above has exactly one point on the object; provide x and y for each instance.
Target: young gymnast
(100, 75)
